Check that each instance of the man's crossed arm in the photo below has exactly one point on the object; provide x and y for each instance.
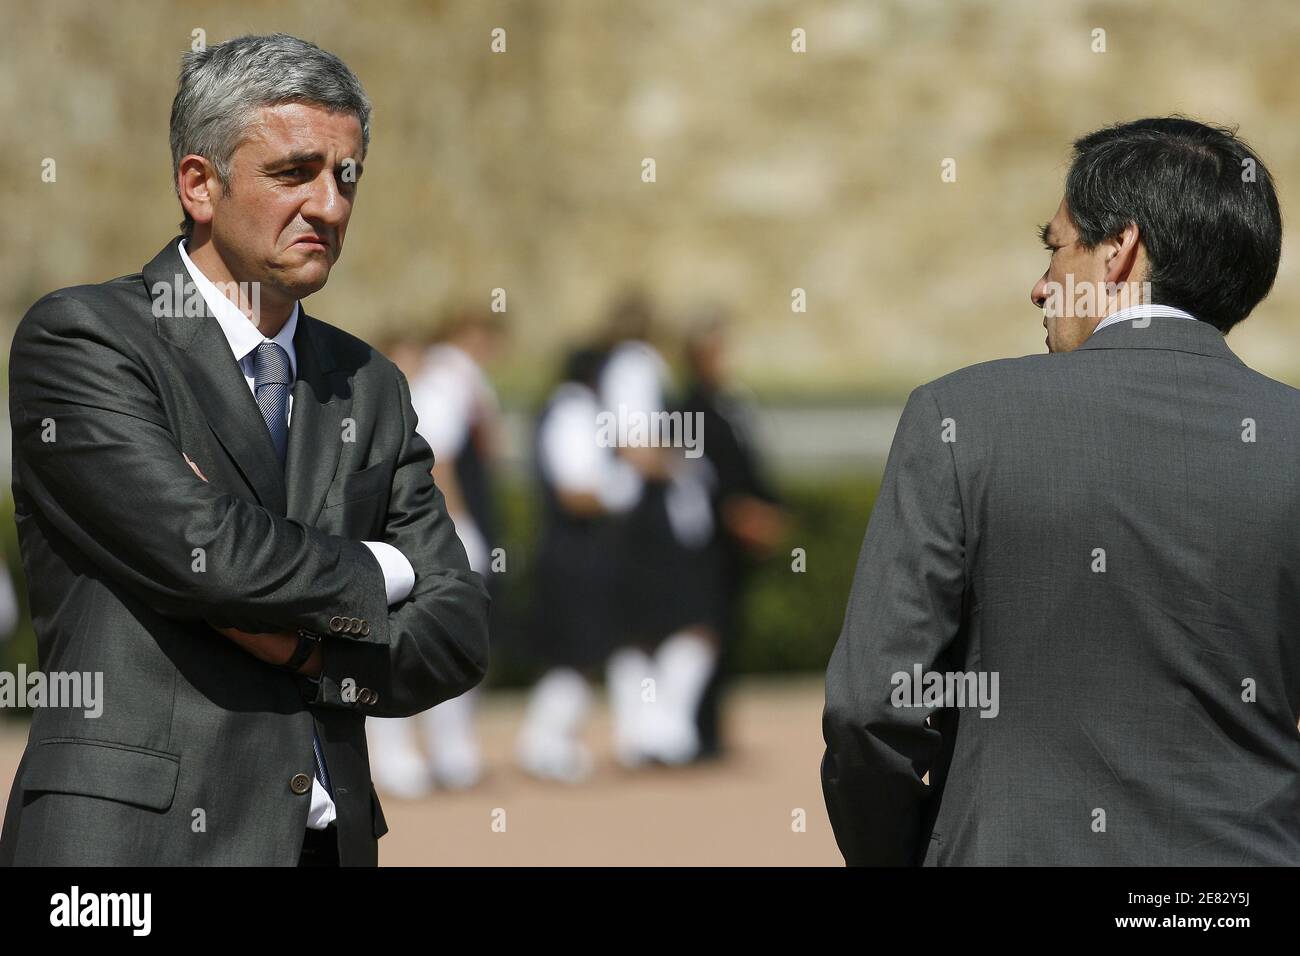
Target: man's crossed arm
(94, 450)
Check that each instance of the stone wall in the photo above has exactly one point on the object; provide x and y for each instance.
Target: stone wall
(774, 169)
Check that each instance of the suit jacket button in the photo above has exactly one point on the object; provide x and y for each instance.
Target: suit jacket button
(336, 624)
(365, 628)
(354, 626)
(300, 784)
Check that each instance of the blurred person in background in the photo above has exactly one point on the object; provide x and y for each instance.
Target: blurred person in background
(405, 349)
(459, 416)
(577, 622)
(9, 612)
(670, 644)
(748, 519)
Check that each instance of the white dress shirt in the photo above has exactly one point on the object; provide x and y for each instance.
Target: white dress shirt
(1143, 312)
(572, 458)
(635, 376)
(452, 397)
(244, 337)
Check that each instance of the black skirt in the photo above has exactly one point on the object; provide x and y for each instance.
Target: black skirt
(665, 585)
(577, 621)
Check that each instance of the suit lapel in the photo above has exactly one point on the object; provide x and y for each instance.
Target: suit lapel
(216, 379)
(233, 415)
(316, 424)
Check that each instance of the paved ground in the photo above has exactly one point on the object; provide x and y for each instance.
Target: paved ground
(739, 811)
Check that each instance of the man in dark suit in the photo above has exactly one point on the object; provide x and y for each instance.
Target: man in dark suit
(1077, 605)
(225, 508)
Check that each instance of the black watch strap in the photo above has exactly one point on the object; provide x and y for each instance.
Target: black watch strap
(307, 642)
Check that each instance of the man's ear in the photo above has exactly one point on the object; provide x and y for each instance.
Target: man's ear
(197, 182)
(1122, 255)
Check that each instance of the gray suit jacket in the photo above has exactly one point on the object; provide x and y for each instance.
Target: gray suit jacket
(1146, 712)
(201, 753)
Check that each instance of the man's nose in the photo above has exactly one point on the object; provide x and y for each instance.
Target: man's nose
(325, 204)
(1038, 294)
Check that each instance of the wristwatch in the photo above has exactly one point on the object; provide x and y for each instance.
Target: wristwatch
(307, 642)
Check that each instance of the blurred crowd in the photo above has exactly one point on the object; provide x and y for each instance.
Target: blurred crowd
(645, 538)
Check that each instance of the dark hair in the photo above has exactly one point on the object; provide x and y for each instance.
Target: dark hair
(630, 317)
(463, 318)
(1204, 205)
(582, 365)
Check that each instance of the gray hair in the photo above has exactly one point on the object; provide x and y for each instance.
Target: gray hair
(221, 88)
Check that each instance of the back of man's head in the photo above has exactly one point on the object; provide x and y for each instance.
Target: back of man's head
(1204, 205)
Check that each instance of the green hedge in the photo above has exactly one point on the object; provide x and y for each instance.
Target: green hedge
(793, 620)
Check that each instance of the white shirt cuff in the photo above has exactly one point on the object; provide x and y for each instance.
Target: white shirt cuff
(399, 576)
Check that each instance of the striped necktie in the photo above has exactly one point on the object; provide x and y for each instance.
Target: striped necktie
(272, 378)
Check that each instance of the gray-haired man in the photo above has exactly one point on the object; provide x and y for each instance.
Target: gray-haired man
(225, 508)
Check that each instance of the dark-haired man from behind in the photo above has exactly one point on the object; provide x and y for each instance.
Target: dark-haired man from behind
(1105, 538)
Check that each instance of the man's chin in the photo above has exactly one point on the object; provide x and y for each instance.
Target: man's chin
(303, 282)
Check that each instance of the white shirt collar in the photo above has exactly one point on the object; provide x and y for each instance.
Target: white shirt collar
(1143, 312)
(241, 334)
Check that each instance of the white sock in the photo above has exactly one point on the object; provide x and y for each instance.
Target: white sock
(627, 668)
(684, 663)
(450, 727)
(557, 705)
(398, 767)
(548, 744)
